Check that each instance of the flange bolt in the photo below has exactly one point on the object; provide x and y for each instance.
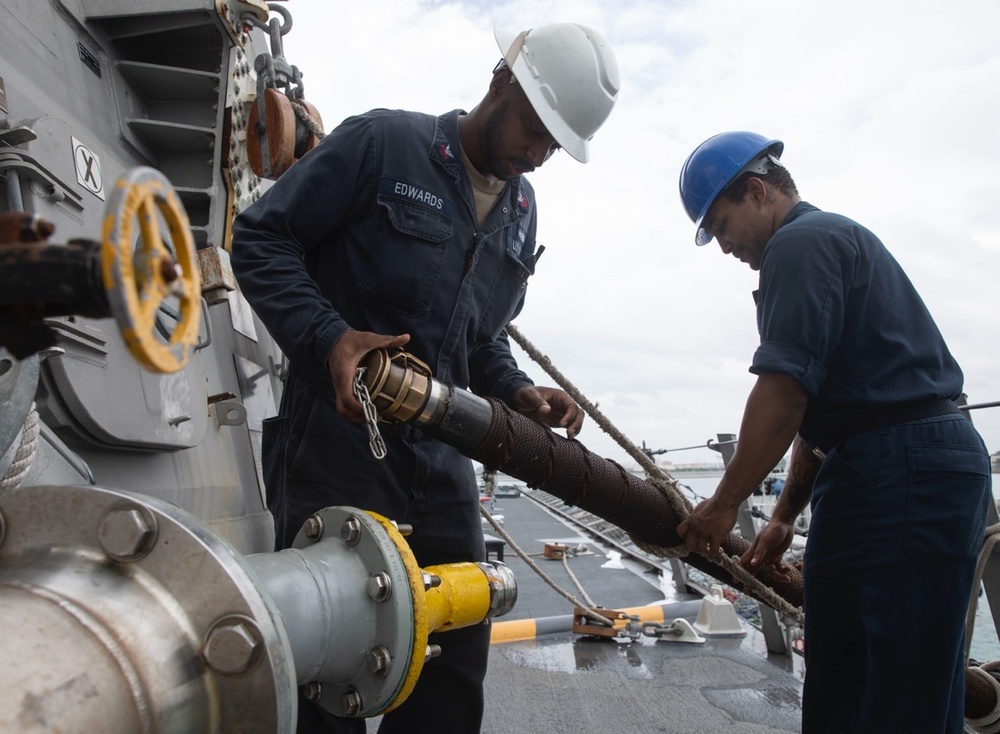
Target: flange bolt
(350, 531)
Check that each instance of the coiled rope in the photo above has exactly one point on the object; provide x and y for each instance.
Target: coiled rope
(982, 679)
(982, 684)
(992, 535)
(24, 456)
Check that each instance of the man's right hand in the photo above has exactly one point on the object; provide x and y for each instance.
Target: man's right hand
(343, 363)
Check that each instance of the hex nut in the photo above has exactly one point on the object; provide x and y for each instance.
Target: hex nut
(379, 586)
(314, 527)
(350, 702)
(379, 660)
(313, 691)
(127, 532)
(350, 531)
(231, 646)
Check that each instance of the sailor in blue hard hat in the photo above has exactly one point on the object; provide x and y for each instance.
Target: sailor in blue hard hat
(854, 376)
(718, 164)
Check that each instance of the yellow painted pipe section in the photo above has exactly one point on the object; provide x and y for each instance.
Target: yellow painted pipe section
(516, 630)
(461, 600)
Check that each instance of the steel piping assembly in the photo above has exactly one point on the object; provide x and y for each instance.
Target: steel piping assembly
(133, 616)
(403, 389)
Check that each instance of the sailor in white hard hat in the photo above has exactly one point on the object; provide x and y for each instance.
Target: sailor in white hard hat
(553, 89)
(402, 229)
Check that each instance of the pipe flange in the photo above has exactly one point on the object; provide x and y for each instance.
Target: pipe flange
(172, 603)
(386, 667)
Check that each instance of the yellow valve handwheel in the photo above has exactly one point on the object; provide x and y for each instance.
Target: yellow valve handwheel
(136, 291)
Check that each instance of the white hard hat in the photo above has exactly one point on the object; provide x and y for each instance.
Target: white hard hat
(569, 75)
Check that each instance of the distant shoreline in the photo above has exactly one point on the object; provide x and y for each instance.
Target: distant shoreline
(714, 472)
(692, 472)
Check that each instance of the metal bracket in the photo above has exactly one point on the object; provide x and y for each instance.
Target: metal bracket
(620, 625)
(680, 630)
(17, 135)
(228, 412)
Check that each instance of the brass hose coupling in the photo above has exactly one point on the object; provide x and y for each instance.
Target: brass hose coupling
(400, 385)
(403, 389)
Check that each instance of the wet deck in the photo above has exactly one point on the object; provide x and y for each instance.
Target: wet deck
(564, 683)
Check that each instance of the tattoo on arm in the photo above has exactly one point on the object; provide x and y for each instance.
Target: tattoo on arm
(801, 476)
(799, 485)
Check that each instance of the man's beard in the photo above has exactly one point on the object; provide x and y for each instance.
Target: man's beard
(489, 141)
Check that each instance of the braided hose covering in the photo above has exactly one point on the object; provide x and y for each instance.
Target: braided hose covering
(544, 460)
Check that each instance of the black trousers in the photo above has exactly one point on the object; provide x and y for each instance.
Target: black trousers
(898, 517)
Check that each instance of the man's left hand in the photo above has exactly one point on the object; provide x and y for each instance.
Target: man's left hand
(551, 407)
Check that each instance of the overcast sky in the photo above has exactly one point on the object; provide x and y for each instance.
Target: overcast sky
(888, 110)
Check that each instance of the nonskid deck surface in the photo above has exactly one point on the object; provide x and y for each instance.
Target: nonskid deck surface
(564, 683)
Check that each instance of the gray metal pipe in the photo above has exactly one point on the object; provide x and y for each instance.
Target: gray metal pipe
(15, 203)
(318, 592)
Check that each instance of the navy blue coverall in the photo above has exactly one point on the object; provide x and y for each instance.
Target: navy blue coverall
(376, 230)
(899, 504)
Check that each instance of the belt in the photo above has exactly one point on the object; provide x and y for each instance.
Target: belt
(836, 431)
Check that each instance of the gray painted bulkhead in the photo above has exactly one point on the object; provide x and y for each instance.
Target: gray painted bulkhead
(91, 89)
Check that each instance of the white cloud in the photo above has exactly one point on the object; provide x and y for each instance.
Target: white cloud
(888, 112)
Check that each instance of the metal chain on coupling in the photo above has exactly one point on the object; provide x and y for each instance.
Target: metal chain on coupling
(375, 441)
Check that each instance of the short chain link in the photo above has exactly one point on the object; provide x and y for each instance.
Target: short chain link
(375, 441)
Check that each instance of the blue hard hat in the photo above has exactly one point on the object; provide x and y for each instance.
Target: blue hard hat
(718, 162)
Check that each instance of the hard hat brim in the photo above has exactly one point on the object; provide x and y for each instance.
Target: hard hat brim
(505, 39)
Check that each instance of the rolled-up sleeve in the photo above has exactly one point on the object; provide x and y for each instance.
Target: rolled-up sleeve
(786, 359)
(800, 306)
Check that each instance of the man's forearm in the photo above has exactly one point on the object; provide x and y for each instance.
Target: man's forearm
(802, 470)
